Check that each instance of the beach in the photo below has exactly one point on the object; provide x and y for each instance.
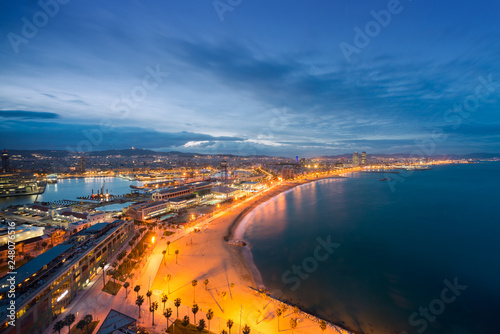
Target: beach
(212, 254)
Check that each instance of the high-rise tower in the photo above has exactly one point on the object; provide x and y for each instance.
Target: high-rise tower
(5, 162)
(363, 158)
(355, 159)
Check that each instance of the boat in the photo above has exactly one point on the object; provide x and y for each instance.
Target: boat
(52, 178)
(20, 185)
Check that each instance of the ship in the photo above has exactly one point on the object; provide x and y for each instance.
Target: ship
(20, 185)
(52, 178)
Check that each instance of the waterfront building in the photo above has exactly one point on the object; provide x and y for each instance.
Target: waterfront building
(355, 159)
(201, 187)
(47, 284)
(224, 192)
(146, 210)
(22, 232)
(363, 158)
(98, 217)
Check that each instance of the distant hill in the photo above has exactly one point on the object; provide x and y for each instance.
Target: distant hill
(138, 152)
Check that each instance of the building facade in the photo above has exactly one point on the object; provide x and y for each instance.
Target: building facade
(46, 285)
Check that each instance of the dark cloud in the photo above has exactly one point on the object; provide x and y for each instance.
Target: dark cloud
(38, 135)
(24, 114)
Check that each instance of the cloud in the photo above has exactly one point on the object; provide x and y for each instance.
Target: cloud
(51, 135)
(24, 114)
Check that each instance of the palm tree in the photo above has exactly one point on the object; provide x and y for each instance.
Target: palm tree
(194, 283)
(136, 289)
(206, 283)
(169, 277)
(210, 316)
(102, 264)
(58, 326)
(201, 326)
(322, 325)
(167, 314)
(88, 320)
(176, 253)
(293, 323)
(168, 246)
(69, 320)
(81, 325)
(164, 252)
(149, 293)
(230, 324)
(152, 308)
(139, 301)
(185, 321)
(164, 299)
(223, 295)
(195, 310)
(177, 303)
(126, 285)
(246, 330)
(279, 313)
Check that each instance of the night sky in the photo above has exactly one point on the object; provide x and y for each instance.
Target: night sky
(245, 77)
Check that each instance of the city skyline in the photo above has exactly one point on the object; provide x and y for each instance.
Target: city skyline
(251, 78)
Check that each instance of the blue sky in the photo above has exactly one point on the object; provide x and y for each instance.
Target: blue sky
(251, 77)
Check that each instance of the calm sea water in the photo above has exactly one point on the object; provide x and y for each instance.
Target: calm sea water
(398, 251)
(70, 189)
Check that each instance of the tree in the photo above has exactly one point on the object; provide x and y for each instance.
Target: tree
(210, 316)
(81, 325)
(126, 285)
(164, 299)
(194, 283)
(149, 293)
(88, 320)
(195, 310)
(164, 252)
(136, 289)
(185, 321)
(279, 313)
(176, 253)
(168, 246)
(230, 324)
(139, 301)
(206, 283)
(293, 323)
(58, 326)
(201, 326)
(69, 320)
(167, 314)
(152, 308)
(102, 264)
(177, 303)
(322, 325)
(168, 278)
(223, 295)
(246, 330)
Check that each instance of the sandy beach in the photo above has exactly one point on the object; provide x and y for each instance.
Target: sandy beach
(230, 271)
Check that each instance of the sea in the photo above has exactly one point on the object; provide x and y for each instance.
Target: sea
(70, 189)
(416, 253)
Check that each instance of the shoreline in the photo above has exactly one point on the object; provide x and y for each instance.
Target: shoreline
(237, 230)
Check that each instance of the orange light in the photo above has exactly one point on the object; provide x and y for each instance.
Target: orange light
(153, 239)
